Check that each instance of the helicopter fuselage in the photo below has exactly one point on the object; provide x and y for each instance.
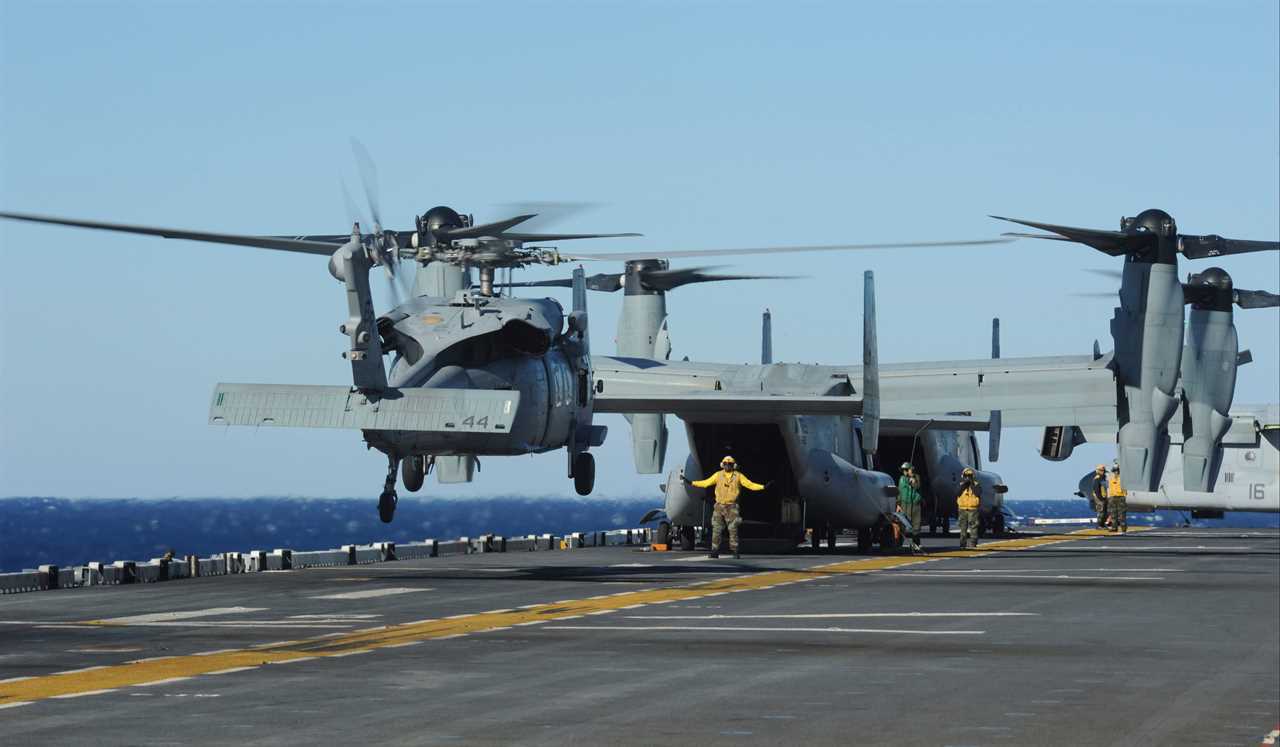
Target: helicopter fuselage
(486, 343)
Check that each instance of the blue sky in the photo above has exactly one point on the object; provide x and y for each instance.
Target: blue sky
(702, 125)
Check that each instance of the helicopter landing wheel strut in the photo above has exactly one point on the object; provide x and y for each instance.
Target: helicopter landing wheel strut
(584, 473)
(387, 501)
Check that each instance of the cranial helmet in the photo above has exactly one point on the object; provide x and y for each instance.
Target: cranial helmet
(905, 466)
(728, 460)
(1101, 468)
(968, 472)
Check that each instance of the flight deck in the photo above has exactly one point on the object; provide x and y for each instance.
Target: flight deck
(1158, 636)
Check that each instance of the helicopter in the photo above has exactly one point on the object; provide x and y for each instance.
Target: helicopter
(474, 372)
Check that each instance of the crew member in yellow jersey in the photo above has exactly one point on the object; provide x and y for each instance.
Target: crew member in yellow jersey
(728, 481)
(1116, 503)
(967, 501)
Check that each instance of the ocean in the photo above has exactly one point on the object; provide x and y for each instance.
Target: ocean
(74, 531)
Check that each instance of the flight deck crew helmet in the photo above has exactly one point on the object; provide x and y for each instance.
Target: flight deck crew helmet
(1100, 468)
(968, 472)
(1115, 467)
(727, 462)
(905, 466)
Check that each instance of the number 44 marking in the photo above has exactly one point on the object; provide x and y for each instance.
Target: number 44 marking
(472, 422)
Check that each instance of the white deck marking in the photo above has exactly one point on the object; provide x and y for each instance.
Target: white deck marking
(183, 615)
(1061, 577)
(232, 670)
(169, 681)
(81, 695)
(17, 679)
(15, 705)
(372, 593)
(714, 628)
(1163, 548)
(306, 624)
(631, 565)
(839, 615)
(84, 669)
(376, 569)
(1057, 570)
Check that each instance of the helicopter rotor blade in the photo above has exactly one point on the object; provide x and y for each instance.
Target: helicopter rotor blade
(547, 212)
(304, 245)
(1249, 299)
(658, 280)
(1115, 243)
(1212, 245)
(369, 178)
(495, 229)
(606, 282)
(353, 212)
(774, 250)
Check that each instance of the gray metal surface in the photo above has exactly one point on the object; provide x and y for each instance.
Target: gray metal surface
(301, 405)
(1085, 641)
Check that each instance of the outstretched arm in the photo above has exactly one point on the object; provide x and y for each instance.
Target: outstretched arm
(705, 483)
(746, 483)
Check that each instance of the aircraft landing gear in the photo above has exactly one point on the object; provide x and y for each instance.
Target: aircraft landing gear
(864, 541)
(889, 540)
(413, 471)
(387, 501)
(687, 538)
(584, 473)
(831, 539)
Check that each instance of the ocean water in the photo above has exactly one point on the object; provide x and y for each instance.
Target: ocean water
(66, 532)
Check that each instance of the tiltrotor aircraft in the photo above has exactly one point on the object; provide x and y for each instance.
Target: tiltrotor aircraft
(1249, 470)
(474, 372)
(824, 460)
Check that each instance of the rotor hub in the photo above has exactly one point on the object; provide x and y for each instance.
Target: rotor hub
(435, 219)
(1152, 221)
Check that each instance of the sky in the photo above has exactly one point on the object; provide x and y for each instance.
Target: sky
(699, 124)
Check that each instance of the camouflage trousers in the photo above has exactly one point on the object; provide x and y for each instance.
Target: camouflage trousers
(968, 528)
(1117, 508)
(912, 512)
(1100, 505)
(725, 514)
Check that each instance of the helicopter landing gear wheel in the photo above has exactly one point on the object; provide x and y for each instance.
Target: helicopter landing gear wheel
(686, 538)
(831, 539)
(662, 535)
(387, 506)
(387, 501)
(413, 471)
(584, 473)
(864, 540)
(997, 525)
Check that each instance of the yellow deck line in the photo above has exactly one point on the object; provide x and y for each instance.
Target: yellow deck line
(189, 665)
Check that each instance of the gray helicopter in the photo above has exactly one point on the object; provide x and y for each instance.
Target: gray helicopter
(474, 372)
